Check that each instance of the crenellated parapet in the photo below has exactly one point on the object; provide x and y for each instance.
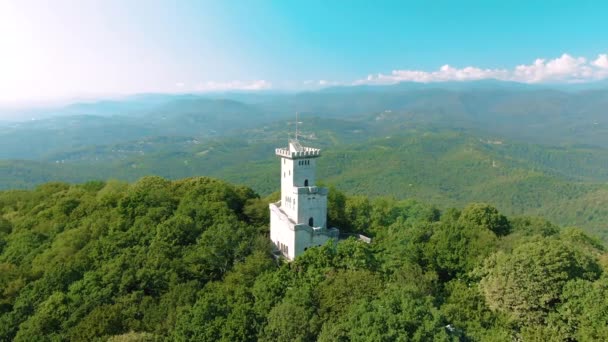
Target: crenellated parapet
(306, 152)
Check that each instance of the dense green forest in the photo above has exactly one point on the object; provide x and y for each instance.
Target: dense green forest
(563, 184)
(525, 149)
(190, 259)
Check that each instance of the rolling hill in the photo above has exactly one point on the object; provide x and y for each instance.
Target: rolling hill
(525, 149)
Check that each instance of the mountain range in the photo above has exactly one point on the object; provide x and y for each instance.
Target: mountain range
(527, 149)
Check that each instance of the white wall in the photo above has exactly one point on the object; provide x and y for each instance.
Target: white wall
(306, 239)
(281, 232)
(287, 195)
(304, 172)
(315, 206)
(294, 175)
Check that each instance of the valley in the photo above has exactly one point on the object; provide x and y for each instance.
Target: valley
(420, 150)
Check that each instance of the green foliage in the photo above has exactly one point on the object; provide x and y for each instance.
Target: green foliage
(293, 319)
(400, 153)
(190, 260)
(487, 217)
(527, 283)
(397, 315)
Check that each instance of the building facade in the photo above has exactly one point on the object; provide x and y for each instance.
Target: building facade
(299, 220)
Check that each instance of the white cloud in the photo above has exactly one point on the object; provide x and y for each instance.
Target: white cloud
(565, 68)
(316, 84)
(601, 61)
(233, 85)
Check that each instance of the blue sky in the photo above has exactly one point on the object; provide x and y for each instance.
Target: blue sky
(63, 49)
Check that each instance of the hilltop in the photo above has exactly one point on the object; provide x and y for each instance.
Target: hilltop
(191, 260)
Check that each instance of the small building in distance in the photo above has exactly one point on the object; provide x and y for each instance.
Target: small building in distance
(299, 220)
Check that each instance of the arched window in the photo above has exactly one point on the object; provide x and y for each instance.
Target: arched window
(306, 182)
(311, 222)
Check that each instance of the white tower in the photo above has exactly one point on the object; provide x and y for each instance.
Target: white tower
(299, 220)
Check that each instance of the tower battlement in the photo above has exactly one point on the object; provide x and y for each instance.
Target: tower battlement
(309, 152)
(296, 150)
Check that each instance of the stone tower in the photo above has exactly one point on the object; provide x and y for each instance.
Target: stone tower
(299, 220)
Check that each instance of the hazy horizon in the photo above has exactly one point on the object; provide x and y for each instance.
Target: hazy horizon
(93, 49)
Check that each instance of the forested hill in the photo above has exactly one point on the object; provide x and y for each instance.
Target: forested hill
(190, 260)
(445, 168)
(526, 149)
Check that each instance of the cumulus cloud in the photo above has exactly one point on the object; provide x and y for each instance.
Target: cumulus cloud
(601, 61)
(445, 73)
(233, 85)
(565, 68)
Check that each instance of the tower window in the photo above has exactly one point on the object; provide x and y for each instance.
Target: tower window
(311, 222)
(306, 182)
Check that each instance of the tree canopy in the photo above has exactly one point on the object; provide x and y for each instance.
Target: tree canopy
(190, 260)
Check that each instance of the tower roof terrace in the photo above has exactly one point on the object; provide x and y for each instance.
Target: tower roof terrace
(296, 151)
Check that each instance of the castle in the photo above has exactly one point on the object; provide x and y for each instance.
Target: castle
(299, 220)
